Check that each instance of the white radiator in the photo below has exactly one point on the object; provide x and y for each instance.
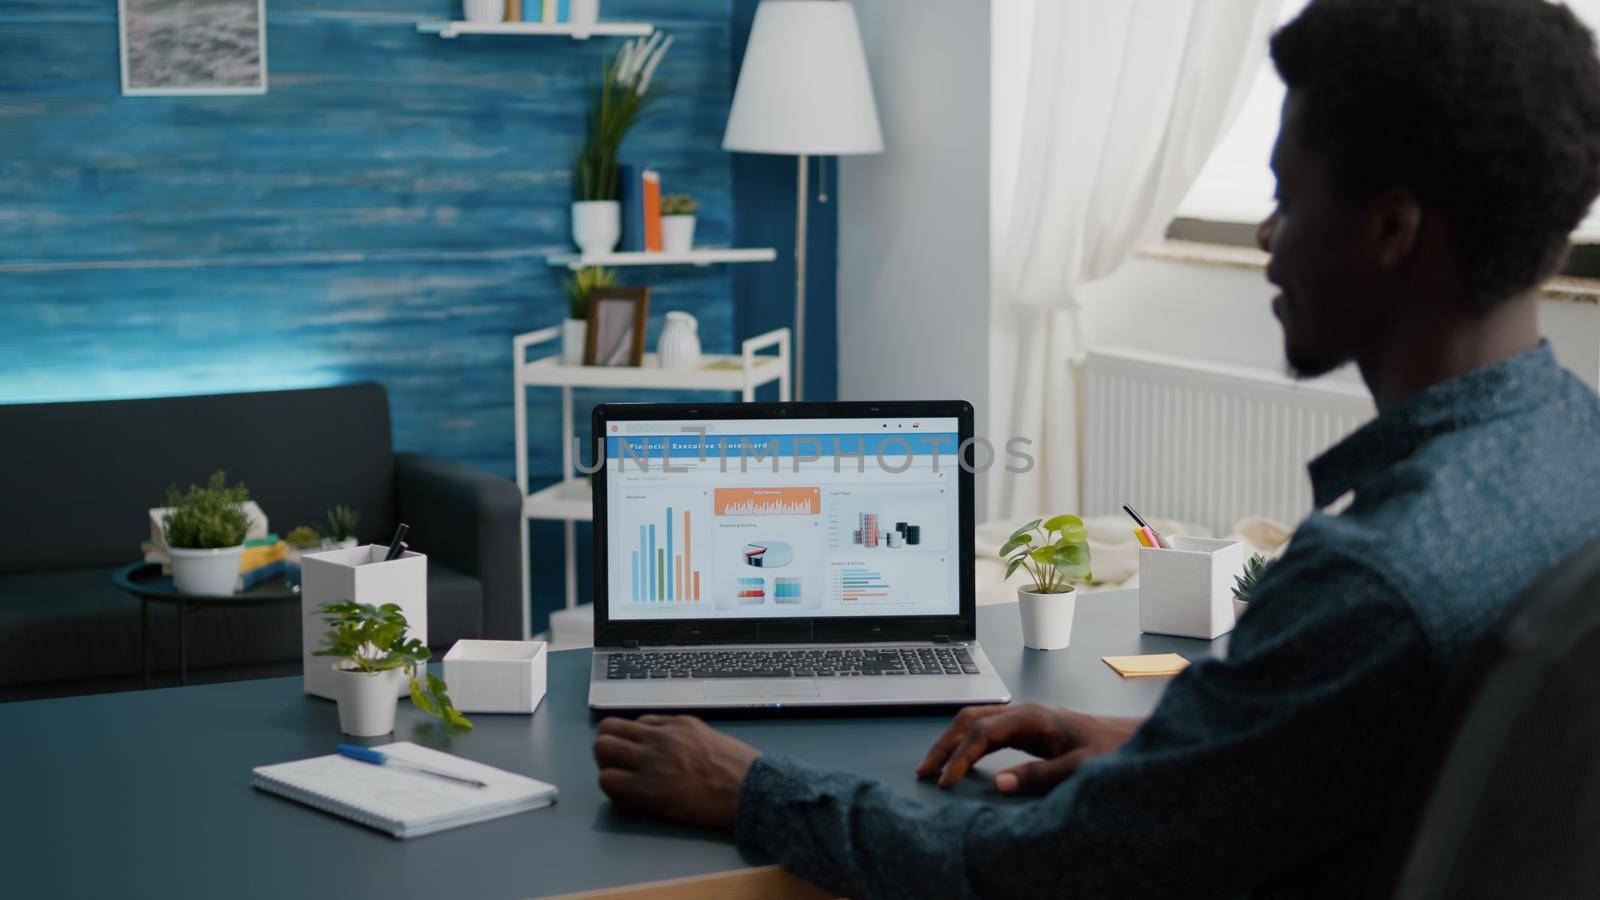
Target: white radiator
(1203, 442)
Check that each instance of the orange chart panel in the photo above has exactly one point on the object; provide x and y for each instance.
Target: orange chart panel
(774, 501)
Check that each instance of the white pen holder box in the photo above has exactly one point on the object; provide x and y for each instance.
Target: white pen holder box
(362, 575)
(495, 676)
(1187, 591)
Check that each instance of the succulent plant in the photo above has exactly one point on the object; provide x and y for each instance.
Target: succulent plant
(207, 518)
(303, 538)
(1245, 583)
(342, 523)
(678, 205)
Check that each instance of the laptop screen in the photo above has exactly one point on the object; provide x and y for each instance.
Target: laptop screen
(793, 518)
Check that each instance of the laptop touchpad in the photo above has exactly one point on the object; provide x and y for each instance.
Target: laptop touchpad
(759, 690)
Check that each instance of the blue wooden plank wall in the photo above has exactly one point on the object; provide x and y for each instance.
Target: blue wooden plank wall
(381, 213)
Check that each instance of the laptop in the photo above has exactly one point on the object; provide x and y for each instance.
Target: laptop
(769, 555)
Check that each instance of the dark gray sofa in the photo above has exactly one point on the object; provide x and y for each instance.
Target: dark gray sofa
(76, 480)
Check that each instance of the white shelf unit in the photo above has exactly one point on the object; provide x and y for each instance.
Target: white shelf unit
(449, 29)
(570, 500)
(700, 256)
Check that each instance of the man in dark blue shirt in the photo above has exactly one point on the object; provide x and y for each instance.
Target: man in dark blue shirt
(1433, 159)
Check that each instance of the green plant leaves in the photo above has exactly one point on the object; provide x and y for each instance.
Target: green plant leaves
(1022, 533)
(375, 639)
(1057, 523)
(207, 518)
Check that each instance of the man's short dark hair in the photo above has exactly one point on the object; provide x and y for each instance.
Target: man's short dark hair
(1486, 109)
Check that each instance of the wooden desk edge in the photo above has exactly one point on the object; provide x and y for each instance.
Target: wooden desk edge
(764, 882)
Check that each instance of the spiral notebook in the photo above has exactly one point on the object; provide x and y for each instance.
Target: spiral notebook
(401, 802)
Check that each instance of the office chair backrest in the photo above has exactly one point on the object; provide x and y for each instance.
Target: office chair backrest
(1505, 801)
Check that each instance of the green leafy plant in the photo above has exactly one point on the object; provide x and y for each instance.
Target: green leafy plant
(580, 283)
(1055, 553)
(624, 93)
(1245, 583)
(207, 518)
(303, 538)
(372, 639)
(342, 523)
(678, 205)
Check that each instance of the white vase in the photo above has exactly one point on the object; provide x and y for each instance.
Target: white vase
(366, 701)
(484, 10)
(679, 346)
(1046, 618)
(209, 572)
(596, 226)
(583, 12)
(677, 234)
(573, 334)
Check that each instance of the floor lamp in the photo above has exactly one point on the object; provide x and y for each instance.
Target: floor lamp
(803, 90)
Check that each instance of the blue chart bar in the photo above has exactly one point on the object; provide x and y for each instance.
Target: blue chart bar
(636, 576)
(669, 553)
(652, 559)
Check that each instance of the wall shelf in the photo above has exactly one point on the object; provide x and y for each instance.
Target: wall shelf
(450, 29)
(702, 256)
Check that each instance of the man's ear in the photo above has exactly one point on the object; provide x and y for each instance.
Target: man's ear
(1396, 226)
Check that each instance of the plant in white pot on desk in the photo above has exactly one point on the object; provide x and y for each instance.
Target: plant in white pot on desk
(373, 650)
(1055, 554)
(205, 534)
(624, 93)
(677, 223)
(575, 329)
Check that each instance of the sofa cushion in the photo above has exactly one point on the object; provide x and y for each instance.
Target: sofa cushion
(78, 478)
(74, 624)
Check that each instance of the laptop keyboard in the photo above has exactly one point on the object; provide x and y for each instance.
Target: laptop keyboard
(833, 663)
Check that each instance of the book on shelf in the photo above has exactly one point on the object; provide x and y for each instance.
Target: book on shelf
(563, 10)
(514, 10)
(651, 180)
(630, 197)
(547, 13)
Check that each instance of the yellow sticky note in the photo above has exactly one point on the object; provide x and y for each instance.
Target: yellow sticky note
(1152, 664)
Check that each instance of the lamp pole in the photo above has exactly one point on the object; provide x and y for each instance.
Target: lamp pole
(801, 190)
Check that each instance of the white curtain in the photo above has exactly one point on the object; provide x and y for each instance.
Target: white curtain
(1125, 100)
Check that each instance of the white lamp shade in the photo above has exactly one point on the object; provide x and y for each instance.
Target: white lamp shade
(804, 87)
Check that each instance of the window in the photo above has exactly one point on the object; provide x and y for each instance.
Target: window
(1234, 190)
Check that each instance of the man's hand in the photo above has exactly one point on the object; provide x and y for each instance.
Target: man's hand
(676, 767)
(1063, 739)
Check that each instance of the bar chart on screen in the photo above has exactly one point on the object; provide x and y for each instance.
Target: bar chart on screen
(773, 501)
(912, 580)
(666, 562)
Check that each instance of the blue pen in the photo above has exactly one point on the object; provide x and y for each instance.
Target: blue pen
(379, 758)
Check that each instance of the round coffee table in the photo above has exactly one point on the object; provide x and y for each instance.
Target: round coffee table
(145, 581)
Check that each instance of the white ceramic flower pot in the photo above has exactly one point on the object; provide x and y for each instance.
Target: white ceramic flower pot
(679, 346)
(366, 702)
(596, 226)
(484, 10)
(1046, 618)
(573, 334)
(213, 572)
(677, 234)
(347, 543)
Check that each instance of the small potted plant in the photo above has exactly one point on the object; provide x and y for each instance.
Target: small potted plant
(1055, 553)
(575, 330)
(677, 223)
(623, 95)
(373, 651)
(205, 532)
(340, 532)
(1245, 583)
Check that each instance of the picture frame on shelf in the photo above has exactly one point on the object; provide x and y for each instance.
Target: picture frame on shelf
(617, 320)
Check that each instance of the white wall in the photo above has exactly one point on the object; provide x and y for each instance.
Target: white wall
(1221, 314)
(914, 221)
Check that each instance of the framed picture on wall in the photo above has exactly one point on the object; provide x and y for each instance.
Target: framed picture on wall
(173, 47)
(617, 318)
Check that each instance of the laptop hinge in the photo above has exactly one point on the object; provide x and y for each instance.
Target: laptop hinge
(630, 645)
(942, 639)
